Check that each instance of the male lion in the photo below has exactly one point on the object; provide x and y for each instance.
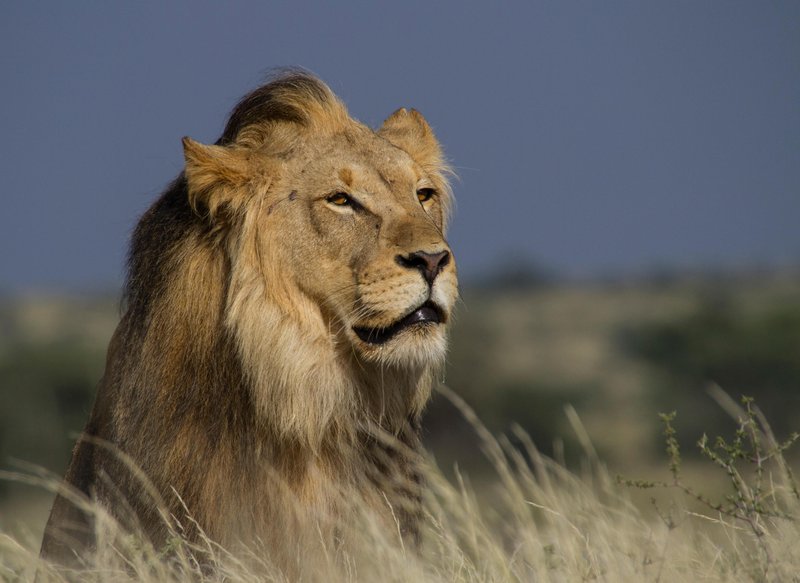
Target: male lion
(287, 303)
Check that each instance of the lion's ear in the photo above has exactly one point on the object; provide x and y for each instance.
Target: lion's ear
(409, 131)
(216, 176)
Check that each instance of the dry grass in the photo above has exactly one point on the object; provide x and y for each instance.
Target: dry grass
(541, 522)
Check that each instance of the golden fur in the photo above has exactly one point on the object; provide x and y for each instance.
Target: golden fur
(246, 370)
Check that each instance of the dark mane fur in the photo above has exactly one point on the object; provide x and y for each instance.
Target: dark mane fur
(284, 98)
(152, 243)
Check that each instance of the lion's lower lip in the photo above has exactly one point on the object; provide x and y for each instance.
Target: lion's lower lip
(427, 313)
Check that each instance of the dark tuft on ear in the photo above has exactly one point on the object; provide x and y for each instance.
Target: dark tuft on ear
(293, 95)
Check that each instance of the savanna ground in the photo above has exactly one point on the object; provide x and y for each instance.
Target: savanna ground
(579, 370)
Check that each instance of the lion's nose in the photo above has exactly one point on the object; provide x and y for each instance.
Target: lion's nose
(429, 264)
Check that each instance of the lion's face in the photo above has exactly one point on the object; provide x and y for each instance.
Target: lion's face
(352, 219)
(372, 251)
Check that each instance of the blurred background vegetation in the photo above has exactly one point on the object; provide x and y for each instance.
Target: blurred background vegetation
(524, 345)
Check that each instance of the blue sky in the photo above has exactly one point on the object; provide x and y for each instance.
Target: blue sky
(593, 137)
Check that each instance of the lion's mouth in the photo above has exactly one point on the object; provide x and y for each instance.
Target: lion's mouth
(427, 314)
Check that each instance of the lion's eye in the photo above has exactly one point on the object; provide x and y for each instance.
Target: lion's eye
(425, 194)
(340, 199)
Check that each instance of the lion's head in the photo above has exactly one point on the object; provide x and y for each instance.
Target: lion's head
(338, 282)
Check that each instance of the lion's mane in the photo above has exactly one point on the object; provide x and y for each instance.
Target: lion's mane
(218, 362)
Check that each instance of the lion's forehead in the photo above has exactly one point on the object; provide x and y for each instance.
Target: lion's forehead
(390, 174)
(368, 156)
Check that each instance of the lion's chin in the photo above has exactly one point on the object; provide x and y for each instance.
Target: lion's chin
(418, 345)
(416, 339)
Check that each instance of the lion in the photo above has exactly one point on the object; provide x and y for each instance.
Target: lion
(286, 313)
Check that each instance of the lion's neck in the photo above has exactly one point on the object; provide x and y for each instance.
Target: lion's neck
(390, 396)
